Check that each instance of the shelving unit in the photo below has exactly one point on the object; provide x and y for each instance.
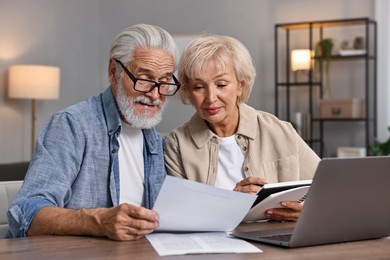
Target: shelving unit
(304, 94)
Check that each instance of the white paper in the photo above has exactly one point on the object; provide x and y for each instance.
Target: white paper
(199, 243)
(185, 205)
(273, 201)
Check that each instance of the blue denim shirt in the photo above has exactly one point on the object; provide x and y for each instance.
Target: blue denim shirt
(75, 163)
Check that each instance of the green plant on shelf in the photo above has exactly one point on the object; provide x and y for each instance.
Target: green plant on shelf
(323, 55)
(378, 148)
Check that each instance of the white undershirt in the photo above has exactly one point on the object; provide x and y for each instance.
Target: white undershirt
(229, 163)
(131, 165)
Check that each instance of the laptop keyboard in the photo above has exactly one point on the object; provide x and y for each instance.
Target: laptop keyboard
(281, 237)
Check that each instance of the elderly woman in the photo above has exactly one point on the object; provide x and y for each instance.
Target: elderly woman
(227, 143)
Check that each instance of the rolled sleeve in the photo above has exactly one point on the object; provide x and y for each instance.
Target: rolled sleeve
(21, 215)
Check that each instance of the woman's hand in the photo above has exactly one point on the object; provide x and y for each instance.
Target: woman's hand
(250, 185)
(290, 211)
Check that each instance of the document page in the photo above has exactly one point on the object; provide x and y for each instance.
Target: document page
(198, 243)
(185, 205)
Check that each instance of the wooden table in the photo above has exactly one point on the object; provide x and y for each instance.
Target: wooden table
(72, 247)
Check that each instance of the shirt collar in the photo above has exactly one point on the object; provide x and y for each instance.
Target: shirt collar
(201, 133)
(111, 112)
(248, 125)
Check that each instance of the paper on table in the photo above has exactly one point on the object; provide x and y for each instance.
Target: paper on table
(185, 205)
(199, 243)
(273, 201)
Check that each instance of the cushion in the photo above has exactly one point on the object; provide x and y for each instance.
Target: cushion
(8, 190)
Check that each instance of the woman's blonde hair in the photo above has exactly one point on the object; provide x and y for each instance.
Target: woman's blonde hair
(224, 50)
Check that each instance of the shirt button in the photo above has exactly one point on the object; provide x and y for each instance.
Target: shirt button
(113, 150)
(244, 148)
(246, 168)
(239, 137)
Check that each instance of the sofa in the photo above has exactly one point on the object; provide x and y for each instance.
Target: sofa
(8, 190)
(15, 171)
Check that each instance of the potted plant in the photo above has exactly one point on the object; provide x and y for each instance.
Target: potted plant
(323, 54)
(378, 148)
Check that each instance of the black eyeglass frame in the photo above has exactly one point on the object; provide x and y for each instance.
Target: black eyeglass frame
(155, 84)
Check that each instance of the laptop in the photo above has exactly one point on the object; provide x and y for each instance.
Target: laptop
(348, 201)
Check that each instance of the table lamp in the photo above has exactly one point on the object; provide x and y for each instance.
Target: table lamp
(33, 82)
(301, 60)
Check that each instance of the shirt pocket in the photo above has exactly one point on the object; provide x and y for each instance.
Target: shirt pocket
(283, 169)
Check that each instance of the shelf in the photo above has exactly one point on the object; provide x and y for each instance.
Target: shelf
(349, 57)
(322, 24)
(340, 119)
(306, 92)
(298, 84)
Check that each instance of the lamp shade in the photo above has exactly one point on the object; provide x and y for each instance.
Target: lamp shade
(33, 82)
(300, 59)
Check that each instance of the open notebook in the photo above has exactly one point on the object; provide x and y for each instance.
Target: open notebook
(348, 200)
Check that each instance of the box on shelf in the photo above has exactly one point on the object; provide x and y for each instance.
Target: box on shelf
(352, 52)
(342, 108)
(345, 152)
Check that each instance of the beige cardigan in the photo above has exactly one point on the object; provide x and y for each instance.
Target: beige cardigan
(272, 149)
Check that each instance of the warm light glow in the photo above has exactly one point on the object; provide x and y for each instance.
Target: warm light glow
(34, 82)
(300, 59)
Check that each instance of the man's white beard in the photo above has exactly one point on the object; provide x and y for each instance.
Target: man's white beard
(126, 108)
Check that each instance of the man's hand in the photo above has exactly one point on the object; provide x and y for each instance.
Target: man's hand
(250, 185)
(123, 222)
(127, 222)
(289, 212)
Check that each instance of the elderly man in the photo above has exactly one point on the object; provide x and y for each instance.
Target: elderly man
(98, 165)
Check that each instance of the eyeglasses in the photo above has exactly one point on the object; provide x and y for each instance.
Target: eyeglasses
(146, 85)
